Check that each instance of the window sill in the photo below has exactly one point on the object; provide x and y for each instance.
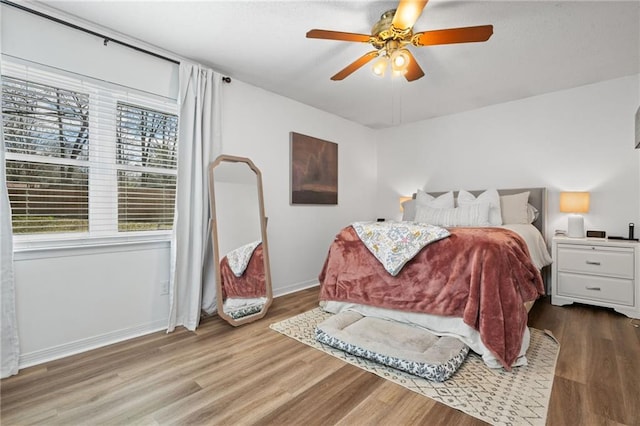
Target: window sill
(63, 247)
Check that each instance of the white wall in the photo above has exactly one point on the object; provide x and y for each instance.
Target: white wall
(76, 299)
(73, 299)
(27, 36)
(577, 139)
(237, 214)
(256, 124)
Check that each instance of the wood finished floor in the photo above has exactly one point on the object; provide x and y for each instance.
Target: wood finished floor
(223, 375)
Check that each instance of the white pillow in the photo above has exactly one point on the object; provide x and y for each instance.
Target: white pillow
(444, 201)
(409, 210)
(490, 197)
(514, 208)
(473, 215)
(532, 213)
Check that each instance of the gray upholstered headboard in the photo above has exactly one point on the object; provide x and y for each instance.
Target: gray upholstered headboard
(537, 198)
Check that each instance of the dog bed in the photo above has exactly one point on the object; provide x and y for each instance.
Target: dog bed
(397, 345)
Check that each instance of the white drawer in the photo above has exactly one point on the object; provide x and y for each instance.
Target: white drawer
(610, 261)
(592, 287)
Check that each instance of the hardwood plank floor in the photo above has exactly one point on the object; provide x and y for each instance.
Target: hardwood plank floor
(221, 375)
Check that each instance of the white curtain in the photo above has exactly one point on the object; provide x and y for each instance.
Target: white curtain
(10, 345)
(199, 142)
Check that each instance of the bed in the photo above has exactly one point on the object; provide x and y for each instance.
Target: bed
(474, 284)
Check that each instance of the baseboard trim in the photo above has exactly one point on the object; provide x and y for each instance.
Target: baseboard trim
(94, 342)
(72, 348)
(292, 288)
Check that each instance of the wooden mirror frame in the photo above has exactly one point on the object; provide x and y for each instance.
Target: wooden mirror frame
(214, 238)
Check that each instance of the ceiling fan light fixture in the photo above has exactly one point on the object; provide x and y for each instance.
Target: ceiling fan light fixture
(400, 60)
(394, 31)
(379, 67)
(407, 14)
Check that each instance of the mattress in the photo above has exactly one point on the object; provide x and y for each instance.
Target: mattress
(535, 243)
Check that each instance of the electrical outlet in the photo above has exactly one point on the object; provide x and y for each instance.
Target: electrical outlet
(164, 287)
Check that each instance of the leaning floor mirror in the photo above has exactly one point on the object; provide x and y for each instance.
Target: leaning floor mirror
(239, 238)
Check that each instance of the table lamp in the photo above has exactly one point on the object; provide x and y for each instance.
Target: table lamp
(402, 200)
(575, 203)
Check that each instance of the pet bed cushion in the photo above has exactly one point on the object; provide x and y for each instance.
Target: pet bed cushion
(394, 344)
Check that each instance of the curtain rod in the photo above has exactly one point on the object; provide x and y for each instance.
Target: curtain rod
(106, 39)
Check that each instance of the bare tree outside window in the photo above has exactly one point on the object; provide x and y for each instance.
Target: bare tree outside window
(85, 162)
(147, 161)
(46, 132)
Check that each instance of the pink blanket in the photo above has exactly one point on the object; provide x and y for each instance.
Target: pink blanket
(250, 284)
(483, 275)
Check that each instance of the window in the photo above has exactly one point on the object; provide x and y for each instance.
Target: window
(47, 140)
(146, 157)
(86, 159)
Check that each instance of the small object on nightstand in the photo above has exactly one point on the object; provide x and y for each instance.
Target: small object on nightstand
(596, 234)
(630, 238)
(560, 232)
(617, 237)
(575, 203)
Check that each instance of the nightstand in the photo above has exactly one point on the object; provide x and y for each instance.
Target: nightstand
(597, 271)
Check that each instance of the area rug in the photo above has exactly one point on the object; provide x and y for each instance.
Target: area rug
(519, 397)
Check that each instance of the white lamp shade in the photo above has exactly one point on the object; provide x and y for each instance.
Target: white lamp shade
(574, 202)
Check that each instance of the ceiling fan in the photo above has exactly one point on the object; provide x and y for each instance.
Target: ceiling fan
(393, 33)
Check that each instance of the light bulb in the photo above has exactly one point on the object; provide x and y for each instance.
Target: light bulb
(400, 60)
(380, 66)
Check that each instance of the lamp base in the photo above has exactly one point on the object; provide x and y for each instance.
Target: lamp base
(576, 226)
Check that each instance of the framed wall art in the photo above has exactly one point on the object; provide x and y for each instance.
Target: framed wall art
(314, 170)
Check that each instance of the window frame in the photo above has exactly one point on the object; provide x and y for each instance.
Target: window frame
(107, 149)
(123, 165)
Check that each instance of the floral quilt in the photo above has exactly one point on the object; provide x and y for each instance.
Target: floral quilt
(396, 243)
(239, 258)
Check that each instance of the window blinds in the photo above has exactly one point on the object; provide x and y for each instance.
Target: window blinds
(86, 158)
(147, 163)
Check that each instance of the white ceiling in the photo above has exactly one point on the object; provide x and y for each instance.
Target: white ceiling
(537, 47)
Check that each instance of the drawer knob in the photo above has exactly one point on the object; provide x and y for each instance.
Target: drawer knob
(592, 263)
(593, 288)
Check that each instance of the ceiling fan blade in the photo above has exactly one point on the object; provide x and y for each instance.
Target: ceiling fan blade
(453, 35)
(414, 71)
(407, 13)
(355, 65)
(338, 35)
